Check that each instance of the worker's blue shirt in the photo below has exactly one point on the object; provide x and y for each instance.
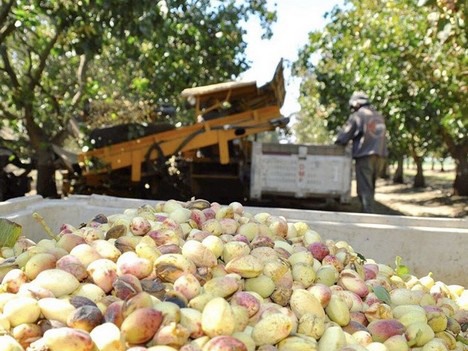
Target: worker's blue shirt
(366, 128)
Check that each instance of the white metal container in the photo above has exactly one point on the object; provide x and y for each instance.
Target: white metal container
(426, 245)
(301, 171)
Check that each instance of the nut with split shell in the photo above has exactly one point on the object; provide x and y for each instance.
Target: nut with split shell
(126, 285)
(127, 243)
(281, 295)
(169, 267)
(247, 266)
(85, 318)
(116, 231)
(199, 254)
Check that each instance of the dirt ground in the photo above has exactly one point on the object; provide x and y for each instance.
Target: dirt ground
(434, 200)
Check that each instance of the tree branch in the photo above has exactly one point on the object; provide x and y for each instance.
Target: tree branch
(8, 68)
(5, 10)
(36, 75)
(52, 98)
(5, 31)
(81, 75)
(9, 115)
(5, 27)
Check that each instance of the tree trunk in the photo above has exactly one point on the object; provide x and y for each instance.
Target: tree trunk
(459, 153)
(45, 184)
(442, 169)
(398, 176)
(384, 171)
(419, 181)
(44, 157)
(460, 185)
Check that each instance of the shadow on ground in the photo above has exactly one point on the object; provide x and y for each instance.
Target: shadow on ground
(434, 200)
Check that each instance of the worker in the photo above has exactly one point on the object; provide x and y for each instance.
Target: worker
(366, 128)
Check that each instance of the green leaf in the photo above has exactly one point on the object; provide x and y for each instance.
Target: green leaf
(462, 339)
(361, 256)
(400, 269)
(382, 294)
(9, 232)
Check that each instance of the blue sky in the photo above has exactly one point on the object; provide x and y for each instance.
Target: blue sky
(296, 18)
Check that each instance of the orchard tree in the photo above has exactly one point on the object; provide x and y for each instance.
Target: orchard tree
(391, 50)
(447, 59)
(56, 55)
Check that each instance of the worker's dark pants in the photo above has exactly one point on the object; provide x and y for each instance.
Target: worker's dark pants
(368, 169)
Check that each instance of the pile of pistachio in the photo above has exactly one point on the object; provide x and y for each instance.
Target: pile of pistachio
(200, 276)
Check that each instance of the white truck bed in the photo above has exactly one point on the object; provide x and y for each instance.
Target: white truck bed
(301, 171)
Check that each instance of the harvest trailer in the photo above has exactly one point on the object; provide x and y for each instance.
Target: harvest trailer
(217, 157)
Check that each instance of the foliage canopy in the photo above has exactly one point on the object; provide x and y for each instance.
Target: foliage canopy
(57, 55)
(408, 57)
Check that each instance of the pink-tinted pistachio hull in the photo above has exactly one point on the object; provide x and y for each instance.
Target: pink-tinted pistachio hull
(383, 329)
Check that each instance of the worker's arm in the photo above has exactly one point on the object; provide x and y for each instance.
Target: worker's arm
(348, 132)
